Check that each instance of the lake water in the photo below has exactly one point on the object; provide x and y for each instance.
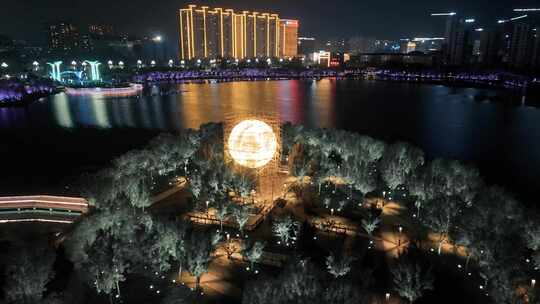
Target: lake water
(51, 140)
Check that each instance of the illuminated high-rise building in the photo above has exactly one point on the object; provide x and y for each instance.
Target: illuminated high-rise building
(288, 35)
(223, 33)
(63, 36)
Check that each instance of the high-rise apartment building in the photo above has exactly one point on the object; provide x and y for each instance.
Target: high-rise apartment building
(63, 36)
(522, 45)
(459, 41)
(223, 33)
(288, 36)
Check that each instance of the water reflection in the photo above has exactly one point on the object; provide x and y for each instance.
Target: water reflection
(62, 112)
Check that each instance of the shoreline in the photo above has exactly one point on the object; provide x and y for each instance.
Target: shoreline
(473, 81)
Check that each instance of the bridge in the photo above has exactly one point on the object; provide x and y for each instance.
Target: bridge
(41, 208)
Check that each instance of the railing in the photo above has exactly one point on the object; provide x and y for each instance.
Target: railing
(41, 208)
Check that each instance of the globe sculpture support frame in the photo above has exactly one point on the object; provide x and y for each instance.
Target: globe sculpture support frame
(266, 172)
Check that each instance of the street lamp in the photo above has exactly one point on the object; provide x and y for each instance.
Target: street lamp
(171, 63)
(153, 63)
(399, 239)
(533, 283)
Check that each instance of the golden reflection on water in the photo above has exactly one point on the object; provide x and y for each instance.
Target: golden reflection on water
(297, 101)
(62, 112)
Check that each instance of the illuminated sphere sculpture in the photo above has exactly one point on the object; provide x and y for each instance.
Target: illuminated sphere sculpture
(252, 143)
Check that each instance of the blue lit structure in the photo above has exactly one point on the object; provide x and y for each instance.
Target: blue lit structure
(55, 70)
(94, 70)
(70, 76)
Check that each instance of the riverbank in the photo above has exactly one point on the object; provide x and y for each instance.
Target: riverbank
(478, 80)
(20, 93)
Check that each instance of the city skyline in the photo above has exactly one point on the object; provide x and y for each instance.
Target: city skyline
(339, 19)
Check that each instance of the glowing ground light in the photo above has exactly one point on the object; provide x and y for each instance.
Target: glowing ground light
(252, 143)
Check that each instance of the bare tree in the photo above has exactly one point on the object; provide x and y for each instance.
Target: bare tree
(254, 252)
(198, 256)
(339, 266)
(241, 214)
(29, 270)
(371, 224)
(440, 215)
(286, 230)
(410, 280)
(398, 162)
(222, 212)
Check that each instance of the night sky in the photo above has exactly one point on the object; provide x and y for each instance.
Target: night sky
(25, 19)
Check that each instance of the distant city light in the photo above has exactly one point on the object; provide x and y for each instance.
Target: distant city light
(526, 9)
(501, 21)
(157, 38)
(519, 17)
(470, 20)
(427, 39)
(4, 65)
(479, 29)
(444, 14)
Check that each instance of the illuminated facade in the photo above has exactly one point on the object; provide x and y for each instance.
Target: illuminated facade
(288, 33)
(223, 33)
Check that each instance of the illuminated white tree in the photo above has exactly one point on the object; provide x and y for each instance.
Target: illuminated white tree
(339, 267)
(371, 224)
(198, 256)
(410, 280)
(286, 230)
(398, 162)
(254, 252)
(222, 212)
(27, 273)
(241, 214)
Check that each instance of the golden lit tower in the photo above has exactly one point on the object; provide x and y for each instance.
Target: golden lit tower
(288, 38)
(223, 33)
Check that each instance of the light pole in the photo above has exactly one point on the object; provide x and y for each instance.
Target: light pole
(157, 40)
(399, 238)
